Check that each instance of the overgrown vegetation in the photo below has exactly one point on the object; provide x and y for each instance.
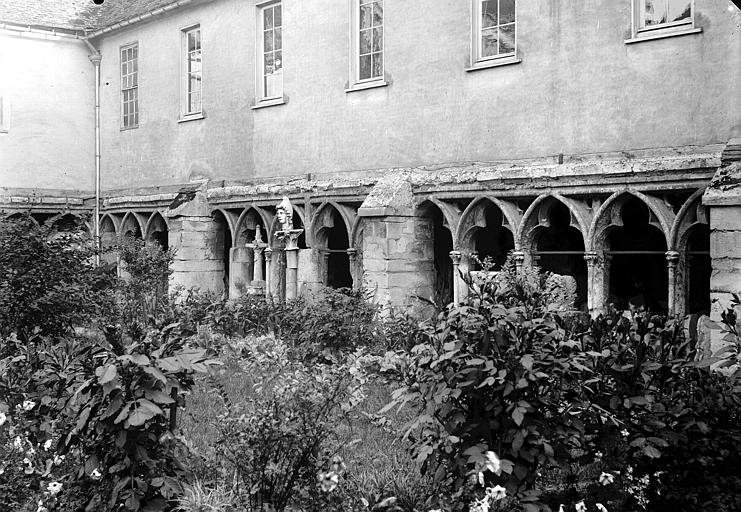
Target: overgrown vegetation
(114, 396)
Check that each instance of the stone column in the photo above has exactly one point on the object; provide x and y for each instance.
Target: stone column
(291, 239)
(455, 257)
(268, 257)
(357, 277)
(257, 275)
(596, 295)
(240, 261)
(519, 258)
(672, 258)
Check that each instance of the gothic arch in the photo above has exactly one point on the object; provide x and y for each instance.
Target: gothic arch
(131, 222)
(230, 219)
(537, 216)
(157, 230)
(250, 217)
(472, 218)
(689, 216)
(322, 218)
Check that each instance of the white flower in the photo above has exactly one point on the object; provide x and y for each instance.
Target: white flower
(54, 487)
(58, 459)
(328, 480)
(28, 405)
(95, 475)
(493, 463)
(496, 493)
(598, 455)
(47, 444)
(42, 508)
(481, 505)
(18, 443)
(3, 419)
(581, 507)
(600, 507)
(560, 509)
(606, 478)
(481, 478)
(624, 433)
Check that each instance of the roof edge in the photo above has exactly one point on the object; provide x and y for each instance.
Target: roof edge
(138, 18)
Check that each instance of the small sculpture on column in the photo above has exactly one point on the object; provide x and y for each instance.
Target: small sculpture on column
(258, 246)
(284, 215)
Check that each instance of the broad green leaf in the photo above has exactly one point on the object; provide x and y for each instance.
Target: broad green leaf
(158, 396)
(107, 375)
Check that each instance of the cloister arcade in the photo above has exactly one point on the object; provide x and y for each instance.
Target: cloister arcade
(627, 248)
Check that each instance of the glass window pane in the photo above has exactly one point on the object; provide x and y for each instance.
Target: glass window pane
(194, 62)
(378, 39)
(278, 39)
(278, 60)
(654, 12)
(679, 10)
(506, 11)
(269, 63)
(195, 84)
(377, 65)
(136, 64)
(365, 16)
(277, 16)
(365, 67)
(268, 20)
(135, 52)
(191, 41)
(134, 80)
(125, 107)
(365, 42)
(267, 44)
(488, 13)
(377, 14)
(273, 85)
(489, 46)
(507, 39)
(198, 39)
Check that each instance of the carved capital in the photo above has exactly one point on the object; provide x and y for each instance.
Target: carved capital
(672, 258)
(290, 237)
(455, 257)
(518, 256)
(352, 253)
(592, 258)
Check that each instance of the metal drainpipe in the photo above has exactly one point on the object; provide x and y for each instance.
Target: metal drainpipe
(95, 58)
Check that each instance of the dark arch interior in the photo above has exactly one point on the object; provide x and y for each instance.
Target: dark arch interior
(638, 271)
(132, 229)
(442, 243)
(159, 233)
(494, 241)
(67, 224)
(560, 249)
(248, 232)
(338, 261)
(698, 267)
(222, 244)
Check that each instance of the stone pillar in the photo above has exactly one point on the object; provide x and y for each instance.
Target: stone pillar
(257, 274)
(199, 260)
(240, 261)
(291, 239)
(723, 198)
(268, 260)
(519, 258)
(596, 287)
(455, 257)
(357, 277)
(672, 258)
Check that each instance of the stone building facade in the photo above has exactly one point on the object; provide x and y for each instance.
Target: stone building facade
(583, 137)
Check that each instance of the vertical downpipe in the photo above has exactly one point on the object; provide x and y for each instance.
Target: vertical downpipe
(95, 58)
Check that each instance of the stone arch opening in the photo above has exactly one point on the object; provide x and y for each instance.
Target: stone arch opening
(249, 224)
(332, 242)
(490, 235)
(433, 232)
(157, 231)
(698, 267)
(559, 246)
(107, 232)
(220, 245)
(130, 227)
(638, 274)
(67, 223)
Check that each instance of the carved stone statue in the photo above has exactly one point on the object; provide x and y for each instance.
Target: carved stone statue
(258, 236)
(284, 213)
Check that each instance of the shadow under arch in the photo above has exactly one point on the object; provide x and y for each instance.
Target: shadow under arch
(434, 230)
(331, 234)
(487, 228)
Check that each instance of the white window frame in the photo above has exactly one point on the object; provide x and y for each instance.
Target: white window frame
(4, 112)
(187, 114)
(127, 86)
(357, 83)
(263, 99)
(643, 32)
(477, 57)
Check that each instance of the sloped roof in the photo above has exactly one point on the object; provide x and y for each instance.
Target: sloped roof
(81, 15)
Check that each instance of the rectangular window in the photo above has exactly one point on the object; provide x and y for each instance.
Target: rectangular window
(192, 72)
(660, 14)
(130, 86)
(270, 32)
(495, 29)
(367, 47)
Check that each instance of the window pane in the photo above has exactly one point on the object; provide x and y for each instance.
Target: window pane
(195, 84)
(507, 39)
(278, 60)
(194, 62)
(278, 39)
(377, 14)
(135, 52)
(489, 42)
(365, 42)
(654, 12)
(274, 85)
(506, 11)
(377, 65)
(365, 16)
(378, 39)
(277, 16)
(365, 67)
(679, 10)
(268, 18)
(267, 41)
(269, 63)
(191, 41)
(488, 13)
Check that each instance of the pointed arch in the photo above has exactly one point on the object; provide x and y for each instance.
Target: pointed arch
(609, 215)
(451, 214)
(229, 218)
(132, 222)
(536, 216)
(510, 213)
(347, 214)
(156, 219)
(251, 216)
(690, 214)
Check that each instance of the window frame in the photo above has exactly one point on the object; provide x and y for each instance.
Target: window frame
(4, 112)
(263, 99)
(121, 50)
(355, 82)
(477, 57)
(185, 113)
(640, 30)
